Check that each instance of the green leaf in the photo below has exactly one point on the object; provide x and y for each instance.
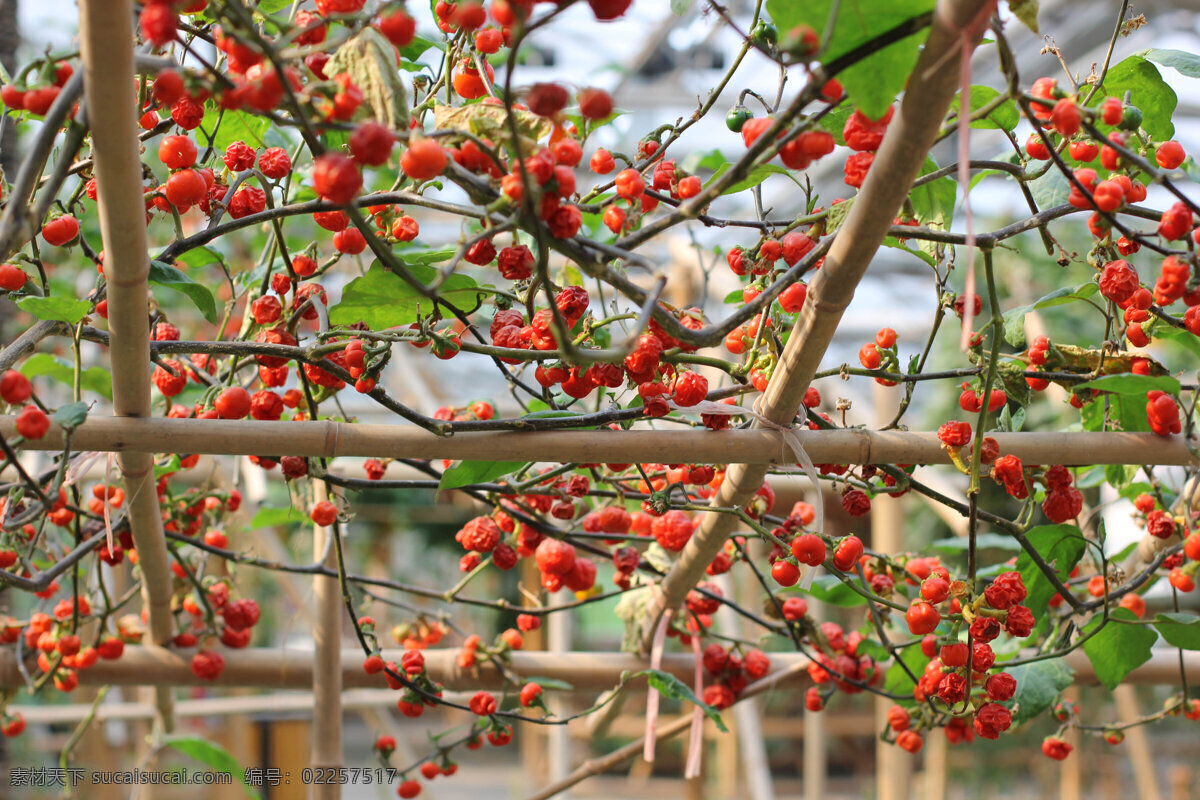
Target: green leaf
(702, 160)
(465, 473)
(1038, 685)
(1127, 412)
(828, 589)
(62, 309)
(171, 465)
(71, 415)
(896, 679)
(873, 83)
(1126, 401)
(1051, 189)
(200, 257)
(1003, 117)
(271, 6)
(427, 257)
(1185, 63)
(734, 298)
(169, 277)
(1179, 630)
(268, 517)
(384, 300)
(680, 7)
(754, 178)
(413, 50)
(1061, 546)
(983, 541)
(1184, 338)
(93, 379)
(1116, 650)
(670, 686)
(1133, 384)
(1120, 475)
(212, 755)
(234, 126)
(933, 203)
(836, 217)
(1014, 318)
(835, 122)
(1026, 11)
(1148, 91)
(895, 244)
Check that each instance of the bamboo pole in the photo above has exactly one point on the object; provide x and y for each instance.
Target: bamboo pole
(274, 668)
(330, 439)
(327, 661)
(1141, 755)
(893, 766)
(752, 745)
(560, 628)
(909, 138)
(272, 704)
(1070, 773)
(106, 36)
(814, 757)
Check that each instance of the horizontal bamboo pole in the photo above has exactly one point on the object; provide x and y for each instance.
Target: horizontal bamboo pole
(331, 439)
(270, 668)
(272, 704)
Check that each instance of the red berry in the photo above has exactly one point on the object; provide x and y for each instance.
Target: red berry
(207, 665)
(32, 423)
(397, 27)
(689, 187)
(12, 278)
(690, 389)
(239, 156)
(630, 184)
(847, 553)
(61, 230)
(324, 513)
(1170, 155)
(336, 178)
(185, 189)
(177, 152)
(371, 143)
(785, 573)
(424, 159)
(274, 163)
(233, 403)
(922, 618)
(547, 99)
(809, 549)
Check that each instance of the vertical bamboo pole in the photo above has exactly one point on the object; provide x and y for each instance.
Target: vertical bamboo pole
(893, 766)
(933, 787)
(756, 770)
(327, 666)
(560, 630)
(106, 37)
(905, 146)
(1070, 777)
(815, 754)
(1140, 756)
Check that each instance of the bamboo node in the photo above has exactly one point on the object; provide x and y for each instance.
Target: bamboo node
(333, 433)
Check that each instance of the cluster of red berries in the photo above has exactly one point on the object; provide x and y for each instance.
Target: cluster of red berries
(731, 671)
